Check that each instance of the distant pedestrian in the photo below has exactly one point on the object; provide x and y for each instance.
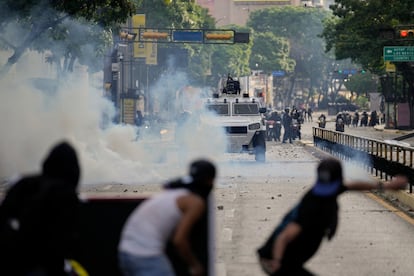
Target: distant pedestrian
(355, 119)
(374, 118)
(287, 122)
(322, 121)
(309, 111)
(168, 216)
(139, 118)
(299, 235)
(340, 122)
(364, 119)
(38, 217)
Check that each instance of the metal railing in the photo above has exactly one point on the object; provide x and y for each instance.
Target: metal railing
(382, 159)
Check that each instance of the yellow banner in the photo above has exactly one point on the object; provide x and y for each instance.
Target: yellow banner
(129, 111)
(390, 67)
(152, 52)
(138, 21)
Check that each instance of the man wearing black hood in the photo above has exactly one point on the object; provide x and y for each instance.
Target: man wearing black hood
(38, 217)
(298, 237)
(167, 217)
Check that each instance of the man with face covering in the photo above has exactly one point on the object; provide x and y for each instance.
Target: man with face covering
(297, 238)
(38, 217)
(167, 217)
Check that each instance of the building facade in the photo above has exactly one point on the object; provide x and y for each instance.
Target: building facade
(237, 12)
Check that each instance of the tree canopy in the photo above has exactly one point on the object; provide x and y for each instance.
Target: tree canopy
(271, 53)
(357, 30)
(231, 59)
(181, 14)
(56, 26)
(299, 28)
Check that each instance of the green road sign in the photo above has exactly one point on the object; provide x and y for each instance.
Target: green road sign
(398, 53)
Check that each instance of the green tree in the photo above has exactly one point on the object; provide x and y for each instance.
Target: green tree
(178, 14)
(230, 59)
(355, 32)
(271, 52)
(181, 14)
(301, 27)
(359, 30)
(40, 24)
(361, 84)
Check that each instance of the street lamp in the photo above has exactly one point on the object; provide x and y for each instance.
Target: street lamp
(127, 36)
(389, 95)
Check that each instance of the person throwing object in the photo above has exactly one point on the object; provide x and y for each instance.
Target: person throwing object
(297, 238)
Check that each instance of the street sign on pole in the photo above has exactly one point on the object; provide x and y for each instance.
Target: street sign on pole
(278, 73)
(399, 53)
(187, 36)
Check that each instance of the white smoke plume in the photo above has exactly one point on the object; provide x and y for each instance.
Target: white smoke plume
(32, 121)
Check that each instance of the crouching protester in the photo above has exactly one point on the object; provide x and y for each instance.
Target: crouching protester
(297, 238)
(38, 219)
(167, 217)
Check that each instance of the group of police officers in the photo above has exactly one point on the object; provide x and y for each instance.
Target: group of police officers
(290, 120)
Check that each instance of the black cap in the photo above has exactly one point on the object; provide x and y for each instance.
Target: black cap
(329, 178)
(200, 169)
(329, 170)
(62, 163)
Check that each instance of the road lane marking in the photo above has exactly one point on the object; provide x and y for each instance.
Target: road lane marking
(227, 234)
(229, 213)
(221, 269)
(390, 207)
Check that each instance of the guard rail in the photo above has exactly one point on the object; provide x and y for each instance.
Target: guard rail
(382, 159)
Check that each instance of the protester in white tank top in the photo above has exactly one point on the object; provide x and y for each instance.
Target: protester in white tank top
(149, 227)
(168, 216)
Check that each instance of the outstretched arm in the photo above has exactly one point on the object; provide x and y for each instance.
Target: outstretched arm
(396, 183)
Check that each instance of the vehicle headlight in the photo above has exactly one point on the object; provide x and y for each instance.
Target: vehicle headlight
(254, 126)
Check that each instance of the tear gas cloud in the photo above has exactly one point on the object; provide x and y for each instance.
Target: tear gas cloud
(354, 171)
(33, 121)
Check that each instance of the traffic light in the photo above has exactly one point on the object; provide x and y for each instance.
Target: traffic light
(124, 35)
(154, 35)
(202, 36)
(406, 33)
(224, 36)
(219, 36)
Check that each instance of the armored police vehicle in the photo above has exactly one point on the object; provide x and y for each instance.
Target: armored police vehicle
(242, 118)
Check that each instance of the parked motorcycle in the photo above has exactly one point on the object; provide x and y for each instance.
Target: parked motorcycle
(278, 129)
(296, 130)
(270, 130)
(322, 122)
(340, 125)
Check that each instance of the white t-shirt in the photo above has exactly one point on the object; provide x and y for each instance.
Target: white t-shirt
(151, 224)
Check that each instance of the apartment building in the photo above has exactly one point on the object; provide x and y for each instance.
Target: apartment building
(237, 11)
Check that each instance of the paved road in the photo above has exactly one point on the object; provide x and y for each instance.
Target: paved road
(251, 198)
(377, 132)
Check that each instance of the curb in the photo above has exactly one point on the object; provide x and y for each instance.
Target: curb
(402, 197)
